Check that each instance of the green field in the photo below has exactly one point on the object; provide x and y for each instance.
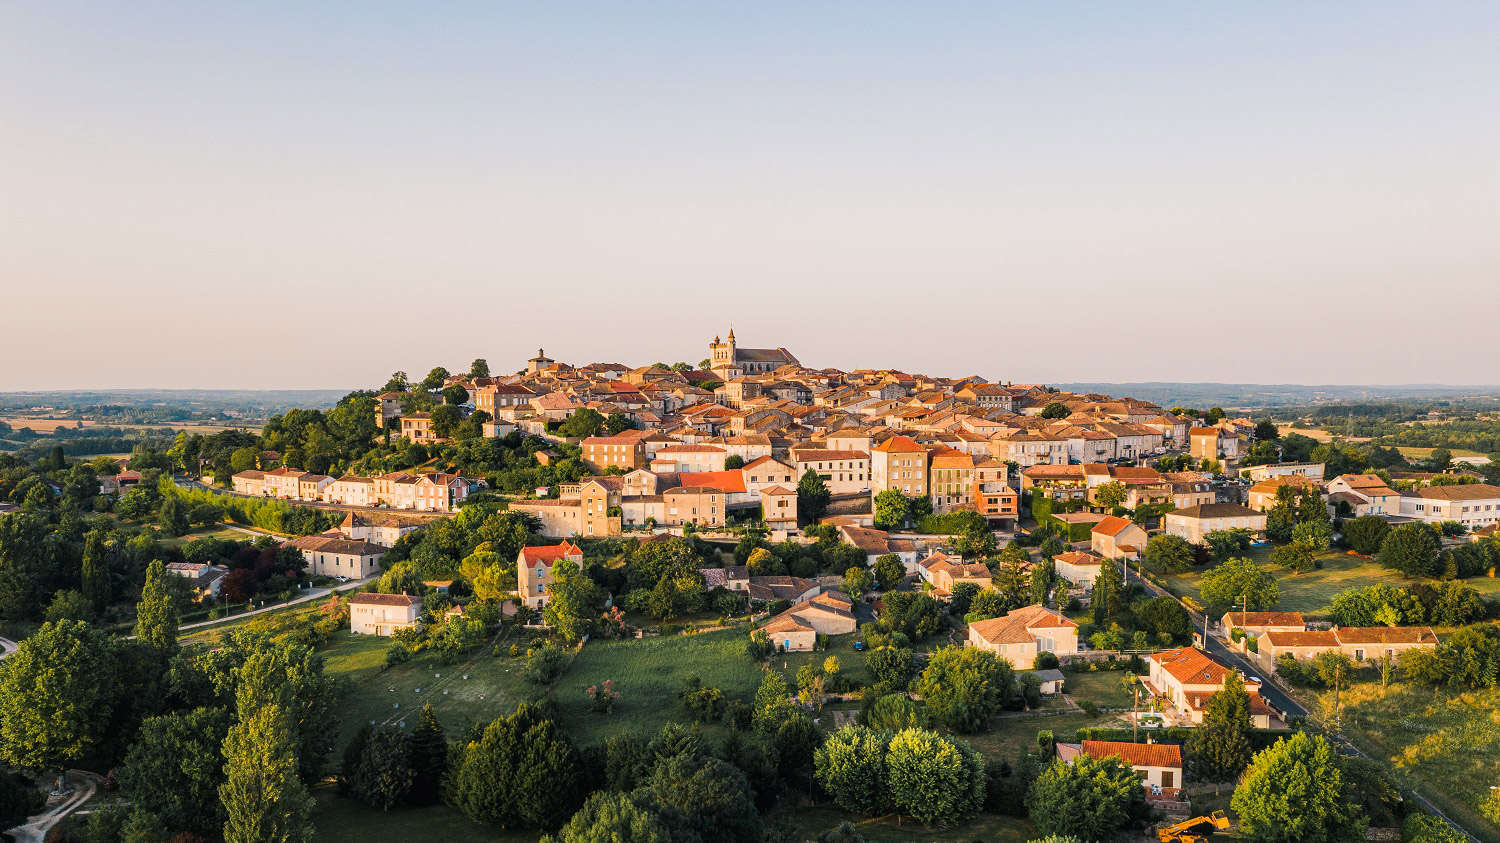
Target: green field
(646, 672)
(990, 829)
(492, 688)
(1445, 745)
(341, 820)
(204, 533)
(1105, 687)
(1312, 592)
(1424, 453)
(1009, 735)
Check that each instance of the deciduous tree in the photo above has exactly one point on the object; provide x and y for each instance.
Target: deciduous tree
(1090, 798)
(1293, 793)
(1239, 581)
(264, 800)
(966, 686)
(935, 779)
(1411, 549)
(850, 766)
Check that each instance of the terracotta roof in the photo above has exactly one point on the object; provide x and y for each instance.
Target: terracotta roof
(900, 444)
(384, 600)
(342, 546)
(1136, 754)
(825, 455)
(1111, 525)
(1216, 510)
(1386, 635)
(1191, 666)
(1306, 638)
(1466, 492)
(1079, 558)
(1243, 619)
(1014, 627)
(549, 554)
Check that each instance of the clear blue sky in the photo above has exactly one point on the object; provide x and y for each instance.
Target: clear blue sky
(315, 194)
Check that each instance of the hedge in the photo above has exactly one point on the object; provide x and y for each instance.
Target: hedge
(1259, 738)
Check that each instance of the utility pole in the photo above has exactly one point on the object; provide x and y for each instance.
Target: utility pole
(1135, 717)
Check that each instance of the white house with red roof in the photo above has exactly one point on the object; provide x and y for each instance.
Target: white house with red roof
(1023, 633)
(1158, 764)
(1117, 538)
(534, 570)
(1187, 677)
(383, 614)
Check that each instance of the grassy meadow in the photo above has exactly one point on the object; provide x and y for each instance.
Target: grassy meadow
(1443, 744)
(1311, 593)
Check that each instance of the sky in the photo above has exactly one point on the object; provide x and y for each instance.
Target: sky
(314, 195)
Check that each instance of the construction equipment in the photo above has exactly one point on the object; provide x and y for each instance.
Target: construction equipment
(1183, 832)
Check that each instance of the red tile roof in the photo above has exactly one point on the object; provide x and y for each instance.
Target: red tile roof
(1136, 754)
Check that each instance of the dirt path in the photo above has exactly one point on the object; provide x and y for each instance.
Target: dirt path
(35, 830)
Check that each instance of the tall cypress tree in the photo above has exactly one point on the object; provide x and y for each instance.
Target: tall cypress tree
(263, 797)
(1106, 597)
(429, 759)
(1220, 748)
(155, 616)
(812, 497)
(96, 571)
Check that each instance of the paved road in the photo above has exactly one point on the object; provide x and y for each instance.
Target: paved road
(7, 647)
(1278, 698)
(310, 596)
(35, 830)
(1216, 647)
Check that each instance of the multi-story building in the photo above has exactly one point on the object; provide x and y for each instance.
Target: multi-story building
(417, 427)
(383, 614)
(950, 476)
(625, 451)
(534, 570)
(1474, 505)
(899, 463)
(1186, 678)
(842, 471)
(335, 556)
(993, 496)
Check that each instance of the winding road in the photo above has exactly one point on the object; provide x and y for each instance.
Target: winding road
(84, 783)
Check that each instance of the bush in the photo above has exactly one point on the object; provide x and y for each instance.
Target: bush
(543, 666)
(1089, 707)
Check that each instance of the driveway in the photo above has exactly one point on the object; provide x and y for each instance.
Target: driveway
(310, 596)
(35, 830)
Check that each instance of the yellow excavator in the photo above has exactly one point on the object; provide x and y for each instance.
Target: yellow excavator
(1183, 832)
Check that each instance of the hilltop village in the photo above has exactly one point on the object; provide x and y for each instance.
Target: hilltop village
(748, 594)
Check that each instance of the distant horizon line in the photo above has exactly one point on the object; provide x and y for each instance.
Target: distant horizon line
(1241, 385)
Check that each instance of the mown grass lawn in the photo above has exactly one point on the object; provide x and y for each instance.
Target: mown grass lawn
(1007, 736)
(1313, 592)
(989, 828)
(341, 820)
(648, 673)
(1105, 687)
(1445, 745)
(476, 691)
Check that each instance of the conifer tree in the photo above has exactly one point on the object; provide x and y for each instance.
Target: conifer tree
(155, 616)
(1220, 748)
(96, 571)
(1106, 598)
(263, 797)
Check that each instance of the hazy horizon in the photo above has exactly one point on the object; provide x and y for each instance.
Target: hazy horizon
(289, 196)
